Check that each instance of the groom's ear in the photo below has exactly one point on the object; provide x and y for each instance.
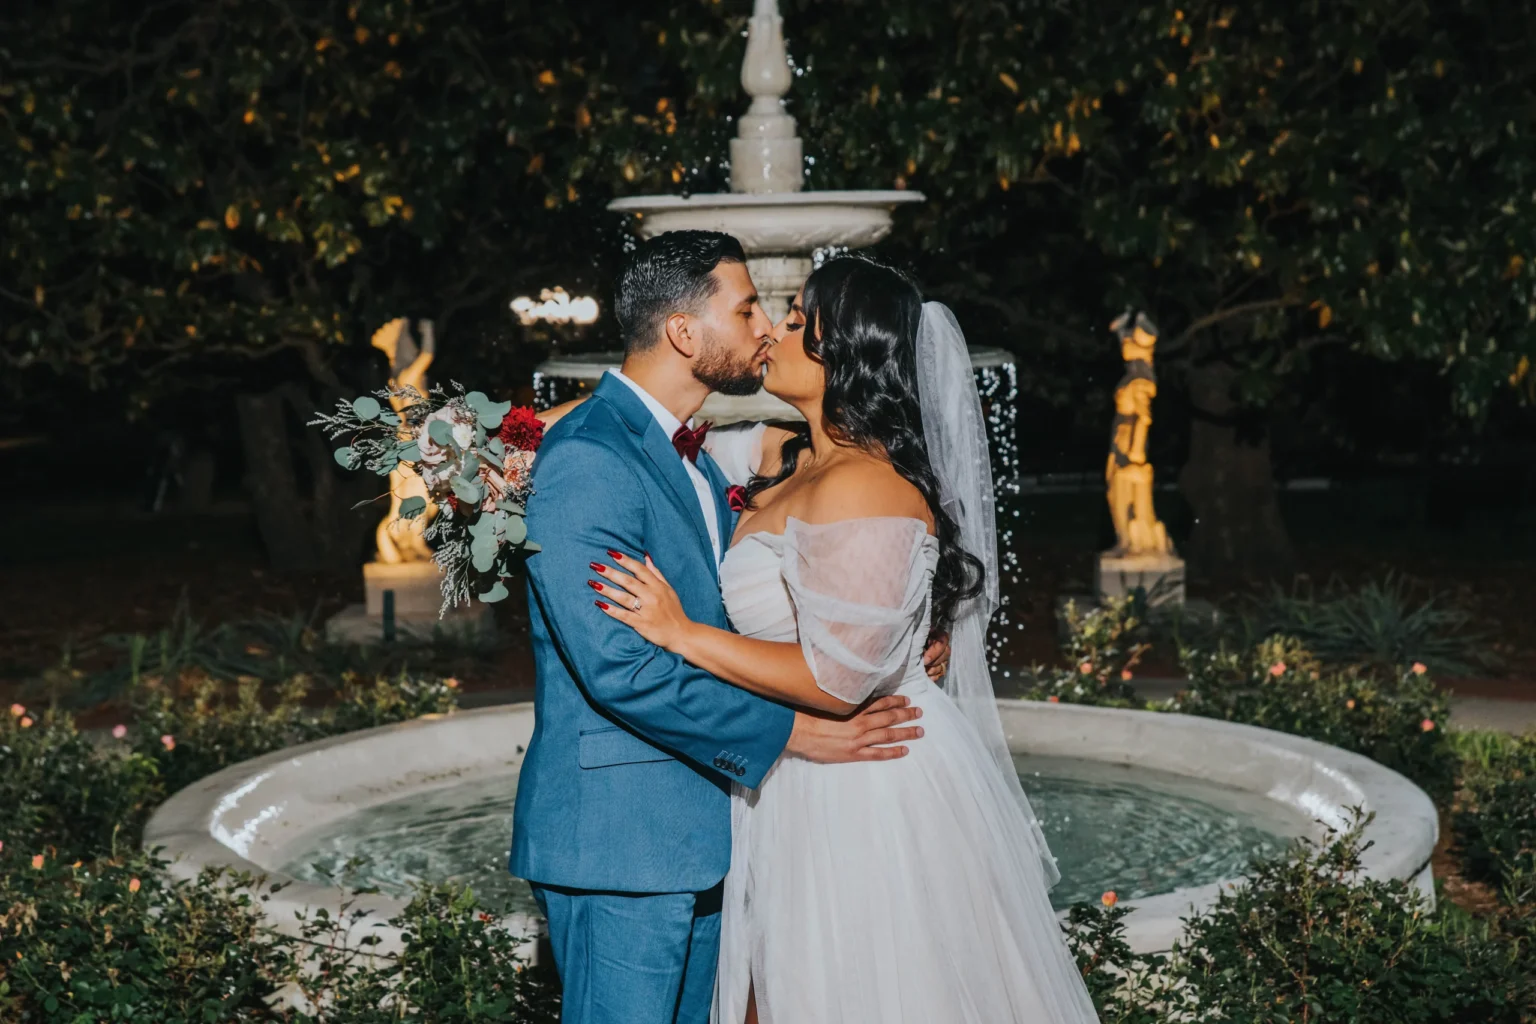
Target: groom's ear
(682, 333)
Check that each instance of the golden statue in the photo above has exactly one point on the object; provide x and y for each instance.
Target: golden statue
(397, 540)
(1128, 474)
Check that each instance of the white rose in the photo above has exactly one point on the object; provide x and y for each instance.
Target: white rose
(462, 423)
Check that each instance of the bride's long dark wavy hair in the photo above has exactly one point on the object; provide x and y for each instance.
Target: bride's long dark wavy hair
(868, 316)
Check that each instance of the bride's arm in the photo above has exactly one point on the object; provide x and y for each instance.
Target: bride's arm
(768, 668)
(854, 584)
(555, 413)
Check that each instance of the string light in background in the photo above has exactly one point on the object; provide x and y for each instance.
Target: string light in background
(998, 385)
(555, 306)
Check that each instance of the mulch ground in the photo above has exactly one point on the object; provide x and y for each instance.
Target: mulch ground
(52, 608)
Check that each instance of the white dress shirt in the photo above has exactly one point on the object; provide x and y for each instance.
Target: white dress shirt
(701, 488)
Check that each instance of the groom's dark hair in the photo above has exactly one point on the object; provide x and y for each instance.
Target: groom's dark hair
(670, 273)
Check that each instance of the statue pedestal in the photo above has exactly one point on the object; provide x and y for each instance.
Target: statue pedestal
(417, 599)
(1161, 577)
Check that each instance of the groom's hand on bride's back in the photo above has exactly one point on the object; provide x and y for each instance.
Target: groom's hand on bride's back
(873, 734)
(936, 657)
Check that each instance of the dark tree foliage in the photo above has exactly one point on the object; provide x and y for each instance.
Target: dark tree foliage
(235, 193)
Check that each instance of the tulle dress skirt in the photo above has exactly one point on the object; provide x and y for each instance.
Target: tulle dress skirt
(907, 890)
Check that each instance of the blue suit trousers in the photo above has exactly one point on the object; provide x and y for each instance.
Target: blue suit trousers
(629, 958)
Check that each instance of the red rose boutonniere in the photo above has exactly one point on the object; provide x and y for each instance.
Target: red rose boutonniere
(736, 498)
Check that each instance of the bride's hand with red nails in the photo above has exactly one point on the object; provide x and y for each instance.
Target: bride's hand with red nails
(638, 595)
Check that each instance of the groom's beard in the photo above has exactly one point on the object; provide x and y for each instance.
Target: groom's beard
(716, 370)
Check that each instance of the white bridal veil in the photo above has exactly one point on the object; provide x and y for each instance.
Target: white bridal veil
(957, 448)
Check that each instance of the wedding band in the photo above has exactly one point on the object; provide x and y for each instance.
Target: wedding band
(637, 604)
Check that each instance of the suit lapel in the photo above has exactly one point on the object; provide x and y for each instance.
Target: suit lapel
(658, 449)
(717, 487)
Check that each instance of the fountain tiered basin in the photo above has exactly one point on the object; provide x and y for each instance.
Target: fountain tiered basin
(1163, 809)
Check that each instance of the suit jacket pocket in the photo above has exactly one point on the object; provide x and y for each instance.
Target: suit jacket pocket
(600, 748)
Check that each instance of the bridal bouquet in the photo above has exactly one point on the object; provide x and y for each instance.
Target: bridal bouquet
(475, 460)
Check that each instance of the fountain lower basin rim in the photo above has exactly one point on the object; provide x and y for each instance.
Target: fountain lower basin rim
(247, 816)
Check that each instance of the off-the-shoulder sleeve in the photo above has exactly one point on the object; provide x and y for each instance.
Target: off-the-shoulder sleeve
(737, 449)
(860, 592)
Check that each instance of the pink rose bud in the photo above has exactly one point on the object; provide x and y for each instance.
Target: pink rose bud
(119, 731)
(1419, 668)
(1109, 899)
(452, 684)
(1277, 669)
(1125, 674)
(26, 723)
(17, 710)
(37, 861)
(1427, 725)
(1085, 667)
(1350, 703)
(168, 741)
(133, 885)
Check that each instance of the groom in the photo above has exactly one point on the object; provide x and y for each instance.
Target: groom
(623, 816)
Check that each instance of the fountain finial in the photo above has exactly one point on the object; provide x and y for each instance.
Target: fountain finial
(766, 154)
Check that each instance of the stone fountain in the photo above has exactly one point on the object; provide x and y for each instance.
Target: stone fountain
(782, 227)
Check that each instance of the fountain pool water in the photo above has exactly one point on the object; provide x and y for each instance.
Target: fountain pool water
(1164, 809)
(1136, 832)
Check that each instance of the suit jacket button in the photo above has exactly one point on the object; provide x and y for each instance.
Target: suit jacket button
(741, 771)
(719, 763)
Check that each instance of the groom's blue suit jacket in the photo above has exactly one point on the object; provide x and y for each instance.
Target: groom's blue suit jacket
(624, 786)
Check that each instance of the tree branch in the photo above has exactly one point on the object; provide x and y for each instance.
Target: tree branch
(1223, 315)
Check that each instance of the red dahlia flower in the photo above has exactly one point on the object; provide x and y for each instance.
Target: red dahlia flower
(521, 429)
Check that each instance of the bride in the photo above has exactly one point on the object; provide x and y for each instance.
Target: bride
(907, 890)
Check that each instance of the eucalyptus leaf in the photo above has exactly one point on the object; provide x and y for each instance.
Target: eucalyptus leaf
(468, 491)
(412, 507)
(483, 556)
(441, 431)
(409, 452)
(498, 592)
(495, 448)
(367, 407)
(389, 418)
(511, 506)
(516, 529)
(346, 458)
(531, 547)
(491, 415)
(478, 400)
(484, 528)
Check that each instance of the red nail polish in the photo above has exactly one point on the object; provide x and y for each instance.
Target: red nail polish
(595, 585)
(615, 555)
(601, 604)
(598, 567)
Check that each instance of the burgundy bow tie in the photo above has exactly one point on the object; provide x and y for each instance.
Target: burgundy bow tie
(688, 442)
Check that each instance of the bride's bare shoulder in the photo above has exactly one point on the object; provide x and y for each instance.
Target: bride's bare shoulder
(864, 489)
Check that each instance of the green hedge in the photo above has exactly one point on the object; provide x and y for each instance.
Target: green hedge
(93, 929)
(1396, 717)
(1306, 939)
(1494, 817)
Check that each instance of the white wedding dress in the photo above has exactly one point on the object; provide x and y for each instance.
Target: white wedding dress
(909, 890)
